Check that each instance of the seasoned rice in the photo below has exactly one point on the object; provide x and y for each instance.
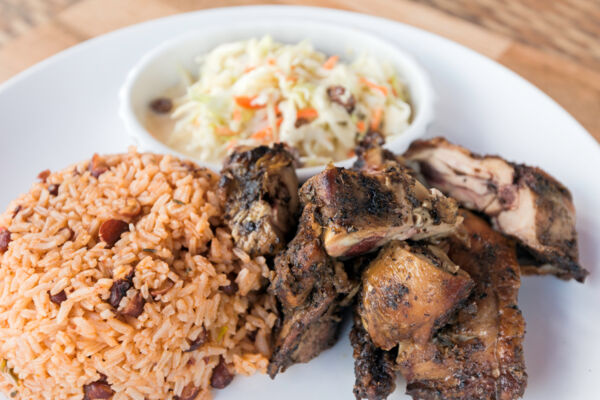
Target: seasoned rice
(58, 329)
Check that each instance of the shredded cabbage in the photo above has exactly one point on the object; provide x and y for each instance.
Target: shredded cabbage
(260, 91)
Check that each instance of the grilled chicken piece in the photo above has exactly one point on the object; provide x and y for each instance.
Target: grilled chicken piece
(373, 367)
(479, 355)
(408, 292)
(363, 210)
(346, 213)
(259, 188)
(371, 156)
(523, 202)
(312, 288)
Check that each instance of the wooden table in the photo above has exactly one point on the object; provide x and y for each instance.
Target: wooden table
(555, 44)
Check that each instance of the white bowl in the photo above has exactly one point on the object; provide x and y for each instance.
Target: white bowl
(160, 69)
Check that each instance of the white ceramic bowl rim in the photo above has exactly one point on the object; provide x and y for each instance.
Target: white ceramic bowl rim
(418, 82)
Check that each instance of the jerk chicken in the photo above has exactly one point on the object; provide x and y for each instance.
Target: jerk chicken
(374, 368)
(365, 209)
(408, 292)
(523, 202)
(312, 289)
(438, 301)
(259, 188)
(479, 354)
(346, 213)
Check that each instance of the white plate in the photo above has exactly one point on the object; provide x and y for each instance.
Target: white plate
(65, 109)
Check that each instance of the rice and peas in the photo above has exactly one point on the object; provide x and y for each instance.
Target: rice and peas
(118, 279)
(259, 91)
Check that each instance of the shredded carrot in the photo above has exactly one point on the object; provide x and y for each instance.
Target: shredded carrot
(279, 121)
(360, 125)
(246, 102)
(271, 61)
(249, 68)
(224, 131)
(277, 110)
(237, 115)
(375, 86)
(307, 113)
(331, 62)
(376, 119)
(263, 135)
(351, 153)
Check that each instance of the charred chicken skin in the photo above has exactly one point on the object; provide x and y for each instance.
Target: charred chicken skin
(312, 289)
(374, 368)
(346, 213)
(523, 202)
(259, 188)
(363, 210)
(479, 354)
(408, 292)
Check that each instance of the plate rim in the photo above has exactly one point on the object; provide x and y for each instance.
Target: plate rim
(352, 19)
(325, 12)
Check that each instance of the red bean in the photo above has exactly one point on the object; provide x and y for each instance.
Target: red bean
(4, 239)
(97, 166)
(97, 391)
(232, 288)
(135, 307)
(111, 230)
(118, 290)
(53, 189)
(200, 340)
(336, 95)
(189, 392)
(58, 297)
(221, 377)
(161, 105)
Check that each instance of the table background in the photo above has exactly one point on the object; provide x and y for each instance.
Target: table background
(555, 44)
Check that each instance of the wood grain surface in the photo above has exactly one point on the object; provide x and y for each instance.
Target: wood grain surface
(555, 44)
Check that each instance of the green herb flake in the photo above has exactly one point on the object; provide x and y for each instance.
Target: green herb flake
(149, 250)
(222, 333)
(14, 393)
(181, 203)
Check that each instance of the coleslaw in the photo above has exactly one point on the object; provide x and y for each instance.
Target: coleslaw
(260, 91)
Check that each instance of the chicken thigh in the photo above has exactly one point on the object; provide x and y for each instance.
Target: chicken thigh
(479, 354)
(364, 210)
(523, 202)
(408, 292)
